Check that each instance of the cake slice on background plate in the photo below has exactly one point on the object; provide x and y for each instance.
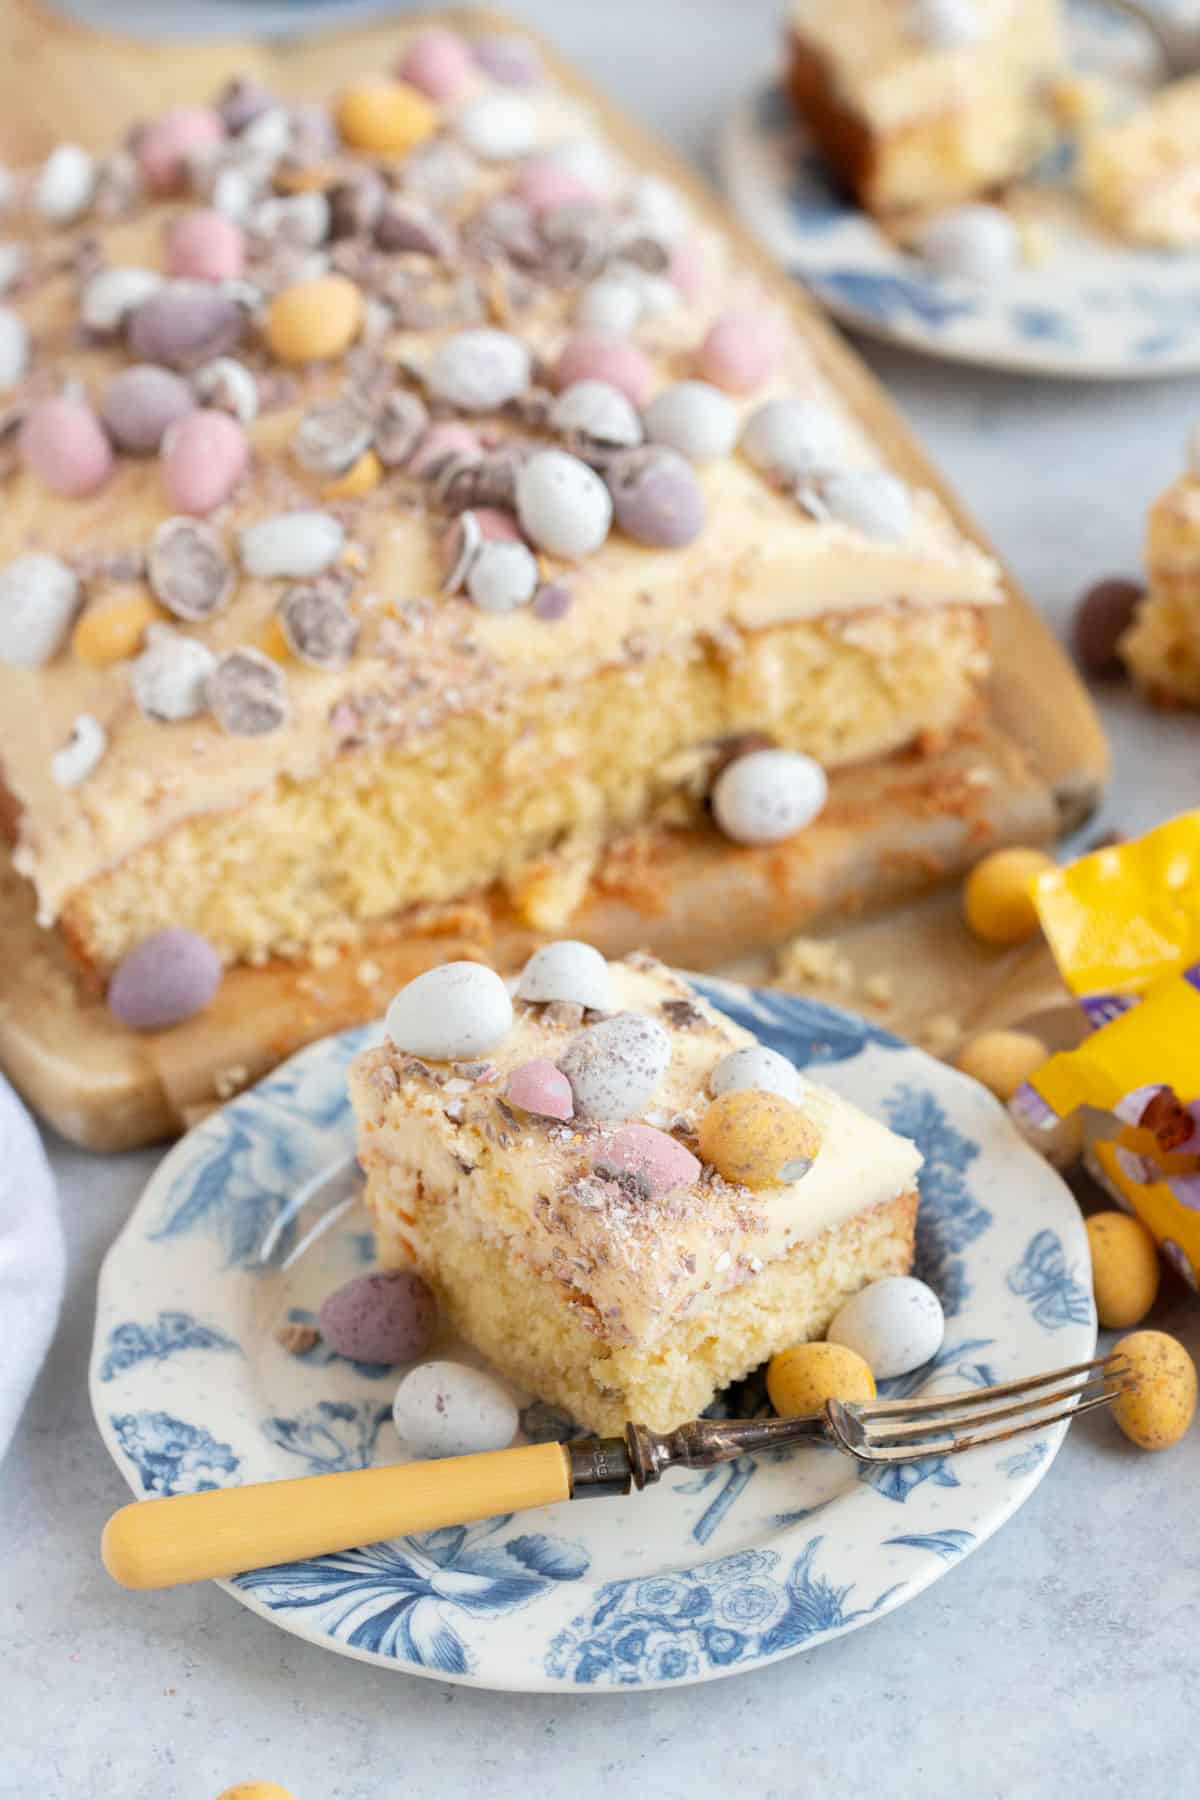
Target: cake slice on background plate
(919, 104)
(619, 1197)
(1162, 647)
(1141, 174)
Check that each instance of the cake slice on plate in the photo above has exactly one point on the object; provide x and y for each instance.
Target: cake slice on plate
(1162, 646)
(919, 104)
(620, 1197)
(1141, 174)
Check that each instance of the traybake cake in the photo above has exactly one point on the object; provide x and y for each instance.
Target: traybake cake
(922, 103)
(301, 627)
(599, 1259)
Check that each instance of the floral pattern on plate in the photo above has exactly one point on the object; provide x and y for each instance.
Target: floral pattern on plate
(254, 1216)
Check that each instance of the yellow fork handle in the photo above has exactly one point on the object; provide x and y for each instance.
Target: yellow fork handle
(202, 1537)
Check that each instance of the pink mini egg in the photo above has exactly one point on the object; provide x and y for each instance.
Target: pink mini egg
(165, 143)
(204, 457)
(544, 184)
(737, 351)
(437, 64)
(654, 1161)
(538, 1087)
(207, 245)
(592, 356)
(62, 442)
(686, 269)
(448, 436)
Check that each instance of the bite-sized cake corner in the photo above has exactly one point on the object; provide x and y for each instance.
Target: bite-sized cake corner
(618, 1196)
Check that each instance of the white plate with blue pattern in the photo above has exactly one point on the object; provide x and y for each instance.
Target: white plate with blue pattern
(254, 1216)
(1092, 308)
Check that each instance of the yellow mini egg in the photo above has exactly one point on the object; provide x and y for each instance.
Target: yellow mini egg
(272, 642)
(388, 118)
(1002, 1060)
(802, 1379)
(256, 1790)
(358, 479)
(114, 629)
(1160, 1404)
(996, 899)
(313, 321)
(1124, 1269)
(751, 1137)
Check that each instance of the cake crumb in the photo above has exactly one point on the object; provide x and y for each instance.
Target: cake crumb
(298, 1339)
(230, 1081)
(878, 990)
(368, 973)
(939, 1034)
(806, 959)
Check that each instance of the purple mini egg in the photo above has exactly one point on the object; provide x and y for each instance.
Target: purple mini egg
(170, 976)
(140, 403)
(386, 1317)
(509, 60)
(656, 498)
(183, 323)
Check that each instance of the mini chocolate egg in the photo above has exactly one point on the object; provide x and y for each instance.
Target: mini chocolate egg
(597, 409)
(502, 576)
(738, 351)
(793, 437)
(459, 1009)
(757, 1139)
(872, 501)
(599, 356)
(479, 370)
(538, 1087)
(1161, 1401)
(945, 24)
(229, 386)
(615, 1067)
(65, 183)
(563, 506)
(657, 209)
(1002, 1060)
(567, 970)
(768, 796)
(256, 1790)
(1125, 1269)
(656, 498)
(975, 242)
(170, 976)
(295, 544)
(611, 303)
(1102, 617)
(39, 597)
(14, 349)
(498, 127)
(694, 418)
(754, 1066)
(61, 441)
(646, 1161)
(997, 898)
(802, 1379)
(512, 61)
(170, 677)
(388, 1317)
(141, 403)
(448, 1409)
(895, 1325)
(183, 323)
(111, 295)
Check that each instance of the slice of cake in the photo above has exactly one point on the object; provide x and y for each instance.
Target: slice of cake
(620, 1198)
(1141, 174)
(921, 103)
(383, 528)
(1162, 647)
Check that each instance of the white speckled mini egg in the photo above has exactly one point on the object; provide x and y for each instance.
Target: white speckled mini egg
(615, 1067)
(872, 501)
(693, 417)
(945, 24)
(611, 303)
(598, 410)
(457, 1010)
(448, 1409)
(793, 436)
(768, 796)
(755, 1066)
(498, 127)
(563, 505)
(895, 1325)
(567, 970)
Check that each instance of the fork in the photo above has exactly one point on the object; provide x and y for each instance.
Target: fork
(223, 1531)
(1178, 40)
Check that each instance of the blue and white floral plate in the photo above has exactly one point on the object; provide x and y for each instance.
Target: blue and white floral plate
(1090, 308)
(255, 1216)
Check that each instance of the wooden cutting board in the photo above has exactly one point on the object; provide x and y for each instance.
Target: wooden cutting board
(1035, 769)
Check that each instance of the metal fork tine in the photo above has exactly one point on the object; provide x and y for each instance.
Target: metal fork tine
(901, 1454)
(901, 1433)
(946, 1402)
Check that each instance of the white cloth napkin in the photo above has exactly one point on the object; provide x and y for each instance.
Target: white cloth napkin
(32, 1259)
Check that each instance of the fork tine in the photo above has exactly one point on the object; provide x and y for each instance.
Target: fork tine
(1026, 1385)
(900, 1433)
(902, 1454)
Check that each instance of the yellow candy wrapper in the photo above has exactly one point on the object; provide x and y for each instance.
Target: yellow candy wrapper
(1124, 927)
